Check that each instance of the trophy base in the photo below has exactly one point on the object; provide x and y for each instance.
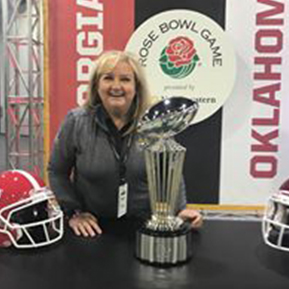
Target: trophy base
(164, 248)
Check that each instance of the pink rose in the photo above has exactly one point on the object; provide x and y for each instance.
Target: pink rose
(180, 51)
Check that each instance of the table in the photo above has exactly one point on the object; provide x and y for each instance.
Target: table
(226, 254)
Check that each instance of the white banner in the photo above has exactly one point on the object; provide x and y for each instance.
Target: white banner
(255, 128)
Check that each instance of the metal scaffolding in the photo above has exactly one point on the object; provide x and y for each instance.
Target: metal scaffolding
(23, 84)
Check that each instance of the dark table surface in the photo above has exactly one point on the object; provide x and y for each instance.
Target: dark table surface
(226, 254)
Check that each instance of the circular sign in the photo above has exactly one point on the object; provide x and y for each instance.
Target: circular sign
(186, 53)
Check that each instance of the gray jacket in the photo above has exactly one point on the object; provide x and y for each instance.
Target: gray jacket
(84, 172)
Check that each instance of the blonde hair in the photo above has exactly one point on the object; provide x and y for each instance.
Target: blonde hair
(142, 95)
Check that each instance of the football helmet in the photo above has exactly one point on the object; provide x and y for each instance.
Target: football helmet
(29, 214)
(275, 224)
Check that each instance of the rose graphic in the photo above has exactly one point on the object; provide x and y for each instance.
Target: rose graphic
(178, 59)
(180, 51)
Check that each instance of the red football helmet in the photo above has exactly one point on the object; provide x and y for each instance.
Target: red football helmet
(276, 219)
(29, 214)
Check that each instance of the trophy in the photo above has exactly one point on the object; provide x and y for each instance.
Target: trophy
(164, 239)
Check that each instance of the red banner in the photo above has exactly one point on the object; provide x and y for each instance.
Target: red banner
(78, 32)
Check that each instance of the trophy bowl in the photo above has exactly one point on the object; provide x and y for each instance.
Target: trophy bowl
(164, 239)
(168, 117)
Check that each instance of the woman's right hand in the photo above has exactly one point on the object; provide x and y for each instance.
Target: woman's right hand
(84, 224)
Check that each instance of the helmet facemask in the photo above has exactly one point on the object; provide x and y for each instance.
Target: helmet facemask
(275, 225)
(32, 222)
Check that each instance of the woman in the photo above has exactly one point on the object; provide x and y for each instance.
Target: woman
(96, 168)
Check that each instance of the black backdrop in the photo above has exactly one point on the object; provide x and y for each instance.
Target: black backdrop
(202, 140)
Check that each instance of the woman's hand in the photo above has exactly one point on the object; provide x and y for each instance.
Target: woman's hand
(193, 216)
(84, 224)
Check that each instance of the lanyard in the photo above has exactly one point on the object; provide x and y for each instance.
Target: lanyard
(122, 156)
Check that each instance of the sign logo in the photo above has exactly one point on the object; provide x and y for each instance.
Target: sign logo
(185, 53)
(178, 59)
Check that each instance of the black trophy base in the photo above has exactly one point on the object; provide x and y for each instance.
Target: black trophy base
(164, 248)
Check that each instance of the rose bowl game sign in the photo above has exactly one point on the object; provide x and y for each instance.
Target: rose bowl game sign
(186, 53)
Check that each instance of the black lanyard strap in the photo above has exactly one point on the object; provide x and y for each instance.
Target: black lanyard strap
(122, 156)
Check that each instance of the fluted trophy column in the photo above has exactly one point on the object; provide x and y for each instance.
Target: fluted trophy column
(165, 238)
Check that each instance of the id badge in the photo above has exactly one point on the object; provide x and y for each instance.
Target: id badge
(122, 200)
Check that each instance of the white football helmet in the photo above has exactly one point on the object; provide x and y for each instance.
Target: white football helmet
(29, 214)
(275, 225)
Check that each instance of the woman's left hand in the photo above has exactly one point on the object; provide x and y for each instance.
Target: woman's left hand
(193, 216)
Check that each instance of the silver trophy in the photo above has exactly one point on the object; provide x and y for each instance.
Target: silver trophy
(165, 238)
